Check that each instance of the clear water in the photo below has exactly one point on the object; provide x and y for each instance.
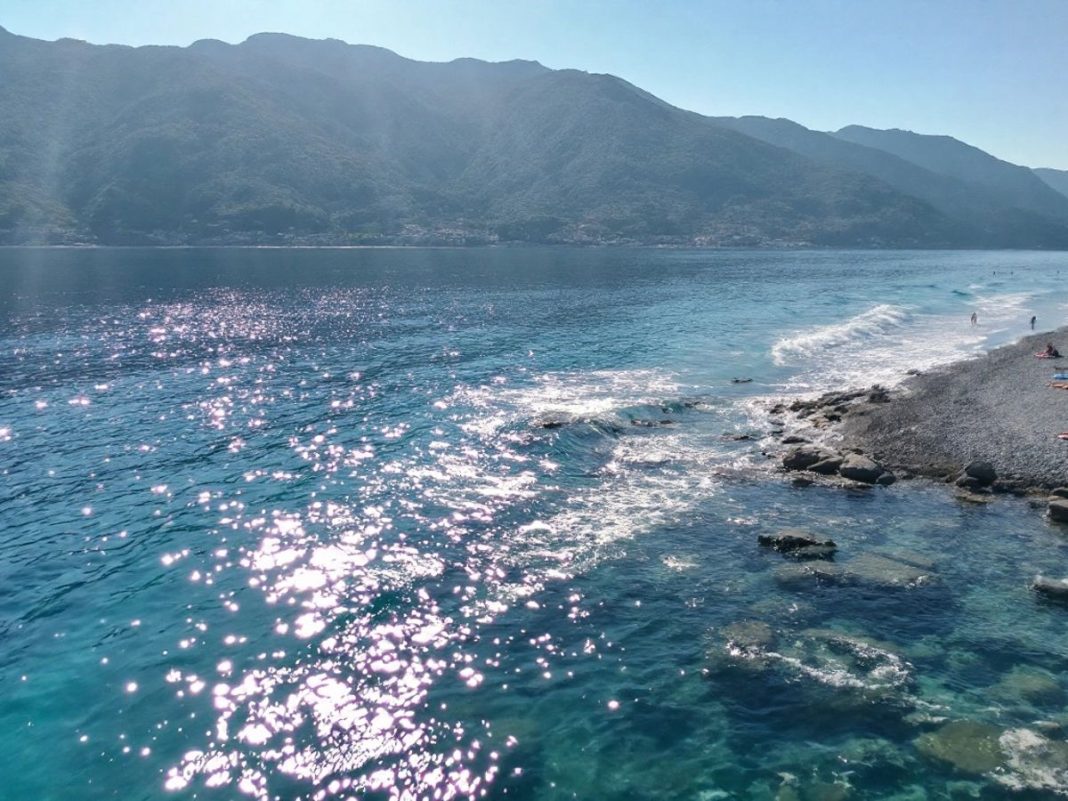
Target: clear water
(291, 524)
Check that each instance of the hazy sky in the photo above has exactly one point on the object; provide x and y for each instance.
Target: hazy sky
(991, 72)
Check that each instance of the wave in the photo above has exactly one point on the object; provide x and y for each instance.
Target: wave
(874, 322)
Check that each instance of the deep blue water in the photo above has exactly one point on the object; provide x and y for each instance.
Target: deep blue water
(447, 524)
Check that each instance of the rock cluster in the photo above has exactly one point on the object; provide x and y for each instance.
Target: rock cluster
(853, 466)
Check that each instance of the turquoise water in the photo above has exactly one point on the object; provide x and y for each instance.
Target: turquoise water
(451, 524)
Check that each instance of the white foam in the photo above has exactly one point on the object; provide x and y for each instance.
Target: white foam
(814, 341)
(881, 344)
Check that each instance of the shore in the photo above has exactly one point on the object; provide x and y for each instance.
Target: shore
(997, 408)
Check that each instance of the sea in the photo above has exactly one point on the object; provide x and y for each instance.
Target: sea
(482, 523)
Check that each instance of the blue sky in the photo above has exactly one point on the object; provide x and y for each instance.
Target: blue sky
(991, 72)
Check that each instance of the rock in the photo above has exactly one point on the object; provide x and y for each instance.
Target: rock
(1058, 510)
(1031, 685)
(797, 543)
(793, 439)
(801, 481)
(968, 496)
(748, 634)
(804, 456)
(826, 467)
(967, 745)
(808, 573)
(982, 471)
(971, 483)
(743, 644)
(858, 467)
(1060, 492)
(886, 479)
(1051, 587)
(827, 791)
(886, 571)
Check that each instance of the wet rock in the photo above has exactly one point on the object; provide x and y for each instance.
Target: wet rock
(1060, 492)
(1058, 510)
(1030, 685)
(1051, 587)
(977, 497)
(743, 644)
(969, 482)
(804, 456)
(796, 576)
(797, 543)
(826, 467)
(982, 471)
(887, 571)
(793, 439)
(886, 479)
(801, 481)
(967, 745)
(858, 467)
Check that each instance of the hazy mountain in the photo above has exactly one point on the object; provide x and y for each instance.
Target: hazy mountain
(990, 215)
(1058, 179)
(1018, 186)
(281, 139)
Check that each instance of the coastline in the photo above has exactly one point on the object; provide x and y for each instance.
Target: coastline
(997, 408)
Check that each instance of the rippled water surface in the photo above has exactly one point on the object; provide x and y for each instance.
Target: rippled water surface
(463, 524)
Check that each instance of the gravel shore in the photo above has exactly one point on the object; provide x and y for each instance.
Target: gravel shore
(997, 408)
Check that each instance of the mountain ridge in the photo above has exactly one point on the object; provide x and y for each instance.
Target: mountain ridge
(281, 139)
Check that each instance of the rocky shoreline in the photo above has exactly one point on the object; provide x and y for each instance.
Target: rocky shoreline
(986, 425)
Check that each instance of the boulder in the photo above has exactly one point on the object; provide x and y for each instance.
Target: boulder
(804, 456)
(1051, 587)
(982, 471)
(886, 479)
(888, 571)
(801, 481)
(793, 439)
(967, 745)
(970, 483)
(858, 467)
(803, 574)
(826, 467)
(1030, 685)
(1060, 492)
(1058, 510)
(797, 543)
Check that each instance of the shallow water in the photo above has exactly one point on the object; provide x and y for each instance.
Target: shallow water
(406, 524)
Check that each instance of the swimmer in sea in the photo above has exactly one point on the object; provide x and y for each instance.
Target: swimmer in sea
(1033, 318)
(975, 319)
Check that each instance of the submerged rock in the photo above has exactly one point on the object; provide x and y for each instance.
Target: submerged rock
(1030, 685)
(858, 467)
(795, 576)
(888, 570)
(967, 745)
(1051, 587)
(797, 543)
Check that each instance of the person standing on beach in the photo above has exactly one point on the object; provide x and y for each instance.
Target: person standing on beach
(1033, 318)
(975, 319)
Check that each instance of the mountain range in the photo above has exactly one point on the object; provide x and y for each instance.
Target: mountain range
(283, 140)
